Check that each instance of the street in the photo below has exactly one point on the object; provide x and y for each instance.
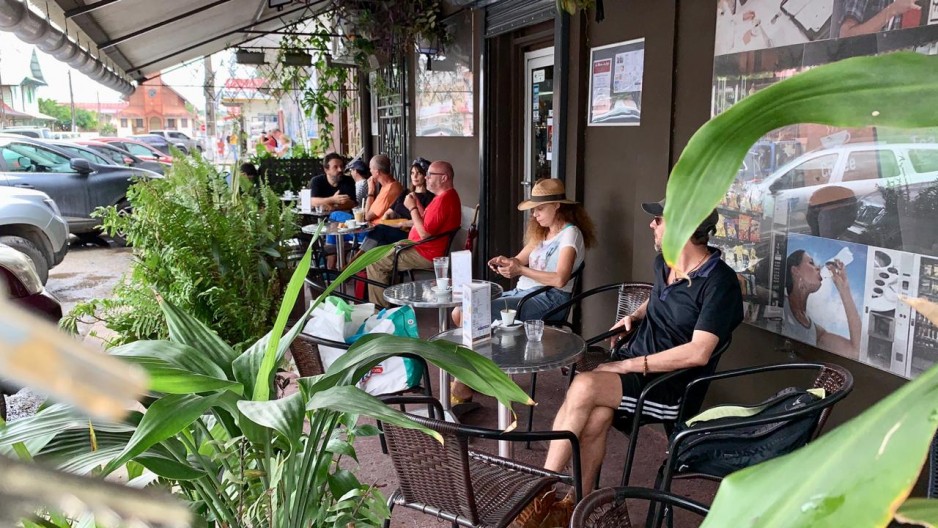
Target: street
(88, 272)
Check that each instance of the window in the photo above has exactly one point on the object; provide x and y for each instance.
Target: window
(816, 171)
(123, 122)
(20, 157)
(171, 122)
(138, 123)
(924, 160)
(138, 150)
(870, 165)
(184, 122)
(90, 156)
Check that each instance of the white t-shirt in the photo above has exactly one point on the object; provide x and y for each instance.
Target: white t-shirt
(545, 255)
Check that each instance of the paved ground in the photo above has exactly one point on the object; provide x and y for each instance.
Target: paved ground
(92, 271)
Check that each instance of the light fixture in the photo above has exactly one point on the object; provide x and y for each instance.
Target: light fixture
(278, 4)
(430, 47)
(297, 58)
(250, 57)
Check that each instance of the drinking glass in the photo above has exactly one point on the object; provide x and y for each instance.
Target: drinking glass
(359, 214)
(534, 329)
(441, 269)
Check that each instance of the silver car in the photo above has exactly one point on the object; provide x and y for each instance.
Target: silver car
(30, 222)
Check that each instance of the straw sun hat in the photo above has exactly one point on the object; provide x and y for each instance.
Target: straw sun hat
(546, 191)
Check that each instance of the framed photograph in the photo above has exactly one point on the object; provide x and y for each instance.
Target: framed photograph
(615, 94)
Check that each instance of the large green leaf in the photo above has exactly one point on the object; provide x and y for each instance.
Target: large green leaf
(354, 400)
(269, 360)
(249, 364)
(187, 330)
(896, 89)
(476, 371)
(855, 475)
(178, 354)
(170, 379)
(284, 416)
(165, 418)
(921, 512)
(167, 467)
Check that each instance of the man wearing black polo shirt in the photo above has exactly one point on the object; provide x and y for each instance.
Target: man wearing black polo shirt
(332, 190)
(679, 327)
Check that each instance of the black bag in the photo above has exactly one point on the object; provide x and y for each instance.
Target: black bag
(721, 453)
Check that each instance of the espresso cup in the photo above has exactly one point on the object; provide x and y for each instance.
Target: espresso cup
(508, 317)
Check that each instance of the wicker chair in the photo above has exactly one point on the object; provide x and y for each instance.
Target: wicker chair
(465, 487)
(609, 507)
(836, 380)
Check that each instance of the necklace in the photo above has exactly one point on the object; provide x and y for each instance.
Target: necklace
(699, 262)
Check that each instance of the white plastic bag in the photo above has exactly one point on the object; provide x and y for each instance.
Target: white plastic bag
(395, 373)
(336, 320)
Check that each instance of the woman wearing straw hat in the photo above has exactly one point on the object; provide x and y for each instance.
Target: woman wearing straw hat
(558, 234)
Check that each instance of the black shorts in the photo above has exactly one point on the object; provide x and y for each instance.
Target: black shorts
(661, 405)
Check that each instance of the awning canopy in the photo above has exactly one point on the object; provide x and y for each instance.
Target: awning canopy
(139, 38)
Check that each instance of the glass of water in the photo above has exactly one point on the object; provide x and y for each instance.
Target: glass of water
(534, 330)
(441, 269)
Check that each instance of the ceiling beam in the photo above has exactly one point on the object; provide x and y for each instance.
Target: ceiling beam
(74, 12)
(120, 40)
(139, 68)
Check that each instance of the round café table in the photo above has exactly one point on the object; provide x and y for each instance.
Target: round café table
(420, 294)
(338, 229)
(514, 354)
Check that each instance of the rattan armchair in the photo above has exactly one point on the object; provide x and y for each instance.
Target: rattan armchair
(836, 380)
(610, 507)
(465, 487)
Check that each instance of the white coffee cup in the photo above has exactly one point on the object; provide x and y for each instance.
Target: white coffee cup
(442, 283)
(508, 317)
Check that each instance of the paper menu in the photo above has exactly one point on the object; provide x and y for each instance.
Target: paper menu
(304, 200)
(476, 312)
(461, 268)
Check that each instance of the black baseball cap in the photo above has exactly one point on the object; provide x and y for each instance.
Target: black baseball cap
(708, 226)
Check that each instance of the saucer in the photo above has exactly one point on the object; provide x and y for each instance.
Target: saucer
(441, 291)
(516, 327)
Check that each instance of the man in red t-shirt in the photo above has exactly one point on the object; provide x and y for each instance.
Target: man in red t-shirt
(442, 215)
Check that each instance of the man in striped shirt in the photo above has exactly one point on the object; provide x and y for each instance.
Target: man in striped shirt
(684, 321)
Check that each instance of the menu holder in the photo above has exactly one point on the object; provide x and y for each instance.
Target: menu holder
(461, 266)
(477, 313)
(304, 201)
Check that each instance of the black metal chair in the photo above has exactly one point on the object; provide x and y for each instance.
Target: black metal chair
(609, 507)
(933, 470)
(690, 404)
(836, 380)
(457, 484)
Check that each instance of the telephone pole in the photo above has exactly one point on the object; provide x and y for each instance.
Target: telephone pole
(71, 97)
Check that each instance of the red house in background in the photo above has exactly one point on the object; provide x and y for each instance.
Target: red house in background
(156, 106)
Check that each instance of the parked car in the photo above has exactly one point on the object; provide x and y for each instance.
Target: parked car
(30, 222)
(840, 177)
(23, 287)
(176, 137)
(121, 156)
(77, 185)
(28, 131)
(160, 143)
(138, 148)
(78, 151)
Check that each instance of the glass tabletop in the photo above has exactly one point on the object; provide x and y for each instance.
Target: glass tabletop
(421, 294)
(335, 228)
(514, 354)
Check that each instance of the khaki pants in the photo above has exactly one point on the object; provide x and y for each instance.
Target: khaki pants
(381, 271)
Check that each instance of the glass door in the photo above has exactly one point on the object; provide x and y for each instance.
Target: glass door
(539, 116)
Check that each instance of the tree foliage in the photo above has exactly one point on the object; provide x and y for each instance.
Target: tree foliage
(214, 252)
(85, 120)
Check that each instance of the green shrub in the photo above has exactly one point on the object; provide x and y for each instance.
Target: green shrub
(214, 252)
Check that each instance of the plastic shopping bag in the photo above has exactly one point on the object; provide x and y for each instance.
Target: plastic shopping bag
(336, 320)
(394, 374)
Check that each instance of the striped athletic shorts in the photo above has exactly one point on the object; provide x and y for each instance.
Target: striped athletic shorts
(661, 405)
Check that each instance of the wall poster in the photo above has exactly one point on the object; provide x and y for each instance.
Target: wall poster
(444, 100)
(828, 227)
(615, 94)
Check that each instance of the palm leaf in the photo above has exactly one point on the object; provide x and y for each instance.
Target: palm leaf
(855, 92)
(187, 330)
(346, 399)
(830, 482)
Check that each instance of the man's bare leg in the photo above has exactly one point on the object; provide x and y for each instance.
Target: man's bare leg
(586, 412)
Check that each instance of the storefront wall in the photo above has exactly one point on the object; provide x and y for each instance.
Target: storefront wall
(612, 169)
